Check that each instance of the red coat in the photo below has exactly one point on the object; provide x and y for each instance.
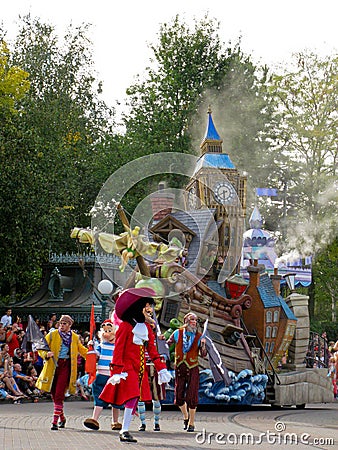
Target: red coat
(13, 343)
(129, 357)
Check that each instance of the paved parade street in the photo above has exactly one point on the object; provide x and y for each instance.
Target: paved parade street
(27, 426)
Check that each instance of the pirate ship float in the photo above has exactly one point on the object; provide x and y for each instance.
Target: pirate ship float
(190, 256)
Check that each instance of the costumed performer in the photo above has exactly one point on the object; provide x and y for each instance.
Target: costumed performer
(104, 352)
(59, 372)
(157, 390)
(188, 344)
(129, 381)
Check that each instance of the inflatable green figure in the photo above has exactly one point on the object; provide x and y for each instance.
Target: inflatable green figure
(174, 325)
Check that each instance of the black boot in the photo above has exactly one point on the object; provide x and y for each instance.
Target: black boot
(127, 437)
(62, 423)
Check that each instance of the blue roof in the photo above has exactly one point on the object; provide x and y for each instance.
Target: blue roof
(269, 297)
(288, 312)
(211, 132)
(217, 160)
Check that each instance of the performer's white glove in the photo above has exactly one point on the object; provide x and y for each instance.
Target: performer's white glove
(116, 378)
(164, 376)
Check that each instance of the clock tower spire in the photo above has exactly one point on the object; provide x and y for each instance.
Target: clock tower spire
(211, 143)
(217, 184)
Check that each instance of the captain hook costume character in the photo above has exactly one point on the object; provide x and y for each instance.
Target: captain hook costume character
(133, 337)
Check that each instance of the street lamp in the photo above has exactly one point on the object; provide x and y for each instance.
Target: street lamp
(290, 280)
(105, 288)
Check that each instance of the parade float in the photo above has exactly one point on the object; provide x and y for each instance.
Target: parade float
(190, 255)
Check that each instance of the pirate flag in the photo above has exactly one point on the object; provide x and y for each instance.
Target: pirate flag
(90, 365)
(219, 372)
(34, 339)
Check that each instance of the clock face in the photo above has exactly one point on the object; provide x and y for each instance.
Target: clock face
(224, 192)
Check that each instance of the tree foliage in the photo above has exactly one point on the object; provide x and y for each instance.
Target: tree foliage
(13, 82)
(47, 182)
(58, 145)
(185, 62)
(304, 153)
(326, 282)
(191, 68)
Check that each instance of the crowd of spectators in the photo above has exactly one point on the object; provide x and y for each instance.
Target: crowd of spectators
(320, 350)
(19, 370)
(323, 353)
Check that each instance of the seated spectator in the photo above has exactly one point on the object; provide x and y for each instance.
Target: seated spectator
(83, 387)
(2, 333)
(55, 326)
(19, 322)
(38, 362)
(8, 386)
(27, 360)
(4, 395)
(18, 357)
(4, 357)
(12, 338)
(25, 382)
(21, 335)
(86, 337)
(32, 373)
(6, 371)
(51, 322)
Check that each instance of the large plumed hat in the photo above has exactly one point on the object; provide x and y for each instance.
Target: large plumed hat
(130, 297)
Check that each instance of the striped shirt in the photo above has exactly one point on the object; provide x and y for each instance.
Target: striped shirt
(105, 351)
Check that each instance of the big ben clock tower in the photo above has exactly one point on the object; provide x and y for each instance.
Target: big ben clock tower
(216, 184)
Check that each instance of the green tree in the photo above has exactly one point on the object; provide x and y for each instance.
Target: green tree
(326, 283)
(303, 141)
(302, 134)
(14, 83)
(190, 69)
(48, 185)
(185, 63)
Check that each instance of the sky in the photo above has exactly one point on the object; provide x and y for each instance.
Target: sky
(121, 30)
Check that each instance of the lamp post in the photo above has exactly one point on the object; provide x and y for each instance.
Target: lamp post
(290, 281)
(105, 288)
